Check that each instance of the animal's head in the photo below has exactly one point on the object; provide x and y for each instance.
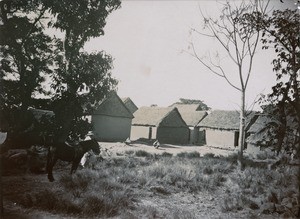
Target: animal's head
(95, 146)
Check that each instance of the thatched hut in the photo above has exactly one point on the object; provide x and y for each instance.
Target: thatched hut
(264, 132)
(27, 127)
(222, 128)
(192, 117)
(129, 104)
(162, 123)
(112, 119)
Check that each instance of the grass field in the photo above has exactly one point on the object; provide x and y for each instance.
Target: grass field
(136, 183)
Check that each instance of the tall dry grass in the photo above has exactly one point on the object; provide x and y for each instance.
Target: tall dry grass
(115, 186)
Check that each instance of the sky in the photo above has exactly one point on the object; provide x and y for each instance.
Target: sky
(148, 40)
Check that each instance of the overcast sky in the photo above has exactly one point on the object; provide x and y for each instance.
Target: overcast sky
(146, 40)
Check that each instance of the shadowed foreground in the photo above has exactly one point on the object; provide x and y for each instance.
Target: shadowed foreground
(139, 184)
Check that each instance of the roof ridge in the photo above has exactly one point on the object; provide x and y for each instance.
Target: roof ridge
(114, 93)
(167, 113)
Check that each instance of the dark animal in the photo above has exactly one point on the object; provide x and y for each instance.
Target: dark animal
(72, 154)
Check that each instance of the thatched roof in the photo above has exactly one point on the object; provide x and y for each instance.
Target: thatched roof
(129, 104)
(192, 118)
(260, 123)
(266, 124)
(187, 107)
(38, 114)
(273, 119)
(112, 105)
(223, 119)
(158, 116)
(258, 133)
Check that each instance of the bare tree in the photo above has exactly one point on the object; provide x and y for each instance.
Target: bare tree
(239, 40)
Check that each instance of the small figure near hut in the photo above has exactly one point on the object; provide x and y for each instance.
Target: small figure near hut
(127, 141)
(156, 144)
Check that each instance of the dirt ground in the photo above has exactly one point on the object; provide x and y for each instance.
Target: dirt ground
(119, 148)
(204, 206)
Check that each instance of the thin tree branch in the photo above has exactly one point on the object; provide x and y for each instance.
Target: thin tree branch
(222, 74)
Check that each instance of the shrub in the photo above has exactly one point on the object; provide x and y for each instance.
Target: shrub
(50, 201)
(129, 152)
(194, 154)
(232, 158)
(237, 203)
(127, 177)
(209, 155)
(182, 214)
(207, 170)
(156, 172)
(177, 178)
(151, 212)
(108, 204)
(141, 153)
(166, 154)
(265, 154)
(182, 154)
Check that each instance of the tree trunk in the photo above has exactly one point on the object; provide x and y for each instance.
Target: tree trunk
(281, 132)
(241, 131)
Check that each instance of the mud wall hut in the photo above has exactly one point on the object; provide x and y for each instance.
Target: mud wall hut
(192, 117)
(221, 128)
(112, 119)
(162, 123)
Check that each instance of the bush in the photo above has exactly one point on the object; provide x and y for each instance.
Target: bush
(166, 154)
(141, 153)
(50, 201)
(209, 155)
(232, 158)
(237, 203)
(207, 170)
(106, 205)
(194, 154)
(129, 152)
(183, 214)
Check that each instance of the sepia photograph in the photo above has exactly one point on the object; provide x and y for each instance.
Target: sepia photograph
(129, 109)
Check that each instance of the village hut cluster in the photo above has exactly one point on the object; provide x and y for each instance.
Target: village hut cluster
(119, 120)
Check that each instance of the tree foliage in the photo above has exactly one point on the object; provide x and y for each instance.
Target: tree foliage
(203, 106)
(29, 56)
(281, 33)
(26, 52)
(277, 130)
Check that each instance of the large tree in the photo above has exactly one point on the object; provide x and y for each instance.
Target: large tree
(80, 21)
(26, 52)
(281, 32)
(239, 40)
(29, 55)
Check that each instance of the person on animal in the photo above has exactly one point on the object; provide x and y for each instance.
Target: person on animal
(69, 153)
(86, 155)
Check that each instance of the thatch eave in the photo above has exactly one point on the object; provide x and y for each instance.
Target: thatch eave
(218, 128)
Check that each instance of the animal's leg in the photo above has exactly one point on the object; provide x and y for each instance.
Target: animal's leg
(50, 169)
(74, 166)
(48, 159)
(49, 164)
